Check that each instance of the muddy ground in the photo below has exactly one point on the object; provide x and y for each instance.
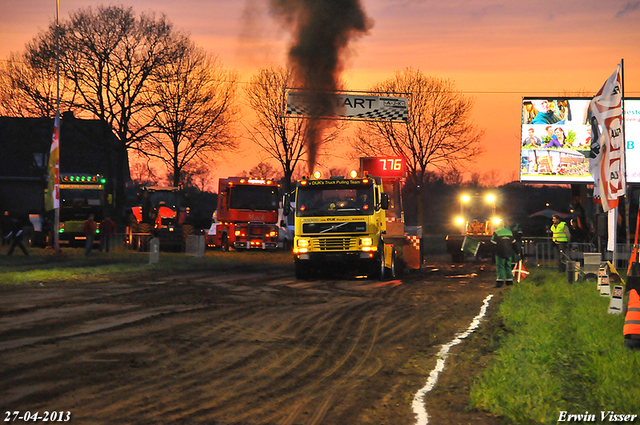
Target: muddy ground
(253, 348)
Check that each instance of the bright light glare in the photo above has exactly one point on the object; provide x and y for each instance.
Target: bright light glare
(459, 220)
(490, 198)
(466, 198)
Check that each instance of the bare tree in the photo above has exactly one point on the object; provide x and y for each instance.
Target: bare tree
(28, 86)
(265, 170)
(491, 178)
(109, 56)
(280, 137)
(195, 175)
(193, 111)
(142, 173)
(439, 134)
(452, 176)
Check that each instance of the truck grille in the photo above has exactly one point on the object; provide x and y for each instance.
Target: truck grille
(334, 244)
(353, 227)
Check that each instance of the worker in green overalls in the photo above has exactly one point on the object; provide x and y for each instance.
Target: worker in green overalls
(505, 245)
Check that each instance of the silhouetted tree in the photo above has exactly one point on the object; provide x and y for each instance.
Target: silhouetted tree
(28, 86)
(280, 137)
(109, 56)
(193, 111)
(439, 133)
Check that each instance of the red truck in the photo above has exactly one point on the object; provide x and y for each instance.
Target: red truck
(247, 214)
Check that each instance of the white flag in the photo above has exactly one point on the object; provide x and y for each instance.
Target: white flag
(608, 168)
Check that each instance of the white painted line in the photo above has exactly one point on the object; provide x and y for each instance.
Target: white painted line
(418, 403)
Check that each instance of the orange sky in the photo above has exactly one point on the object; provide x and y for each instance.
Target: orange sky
(496, 51)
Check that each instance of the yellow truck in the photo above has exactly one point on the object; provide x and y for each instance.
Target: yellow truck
(341, 221)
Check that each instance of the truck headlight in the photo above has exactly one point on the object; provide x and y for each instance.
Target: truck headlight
(302, 246)
(366, 244)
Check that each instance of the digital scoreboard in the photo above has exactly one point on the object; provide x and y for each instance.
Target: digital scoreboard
(383, 166)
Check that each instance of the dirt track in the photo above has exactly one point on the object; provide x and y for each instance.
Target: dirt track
(239, 348)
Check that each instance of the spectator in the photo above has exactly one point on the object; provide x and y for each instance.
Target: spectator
(15, 237)
(578, 235)
(107, 230)
(5, 225)
(561, 236)
(89, 229)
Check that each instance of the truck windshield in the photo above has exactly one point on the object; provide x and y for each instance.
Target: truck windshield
(169, 198)
(327, 202)
(81, 197)
(254, 198)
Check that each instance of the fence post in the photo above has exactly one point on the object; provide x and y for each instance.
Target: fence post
(154, 251)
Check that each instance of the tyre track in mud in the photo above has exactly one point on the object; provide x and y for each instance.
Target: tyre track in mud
(236, 349)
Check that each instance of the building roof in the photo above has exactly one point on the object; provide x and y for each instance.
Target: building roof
(86, 146)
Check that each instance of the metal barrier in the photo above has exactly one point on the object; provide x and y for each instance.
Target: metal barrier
(545, 255)
(623, 253)
(541, 252)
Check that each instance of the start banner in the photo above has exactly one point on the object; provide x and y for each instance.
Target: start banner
(347, 105)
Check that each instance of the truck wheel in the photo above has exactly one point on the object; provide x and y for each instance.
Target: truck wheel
(377, 269)
(224, 241)
(187, 230)
(145, 239)
(392, 270)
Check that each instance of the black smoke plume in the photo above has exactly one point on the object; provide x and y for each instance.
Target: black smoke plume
(321, 31)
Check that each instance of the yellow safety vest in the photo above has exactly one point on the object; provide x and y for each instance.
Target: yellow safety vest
(558, 232)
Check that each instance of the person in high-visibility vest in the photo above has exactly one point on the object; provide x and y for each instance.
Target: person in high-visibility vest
(561, 236)
(631, 330)
(505, 248)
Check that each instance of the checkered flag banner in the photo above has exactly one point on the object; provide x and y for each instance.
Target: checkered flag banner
(413, 240)
(347, 106)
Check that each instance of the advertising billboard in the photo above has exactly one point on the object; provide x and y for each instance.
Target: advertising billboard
(556, 138)
(632, 139)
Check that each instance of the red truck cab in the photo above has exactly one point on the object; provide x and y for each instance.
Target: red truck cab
(247, 214)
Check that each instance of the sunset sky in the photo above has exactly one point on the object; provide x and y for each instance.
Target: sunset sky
(495, 51)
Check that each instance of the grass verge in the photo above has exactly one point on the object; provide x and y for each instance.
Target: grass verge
(72, 266)
(562, 352)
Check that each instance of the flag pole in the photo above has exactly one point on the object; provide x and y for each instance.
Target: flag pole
(56, 227)
(624, 156)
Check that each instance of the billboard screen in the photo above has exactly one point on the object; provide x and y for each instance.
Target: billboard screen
(556, 137)
(632, 138)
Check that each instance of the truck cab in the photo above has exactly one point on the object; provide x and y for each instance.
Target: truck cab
(80, 196)
(247, 214)
(341, 220)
